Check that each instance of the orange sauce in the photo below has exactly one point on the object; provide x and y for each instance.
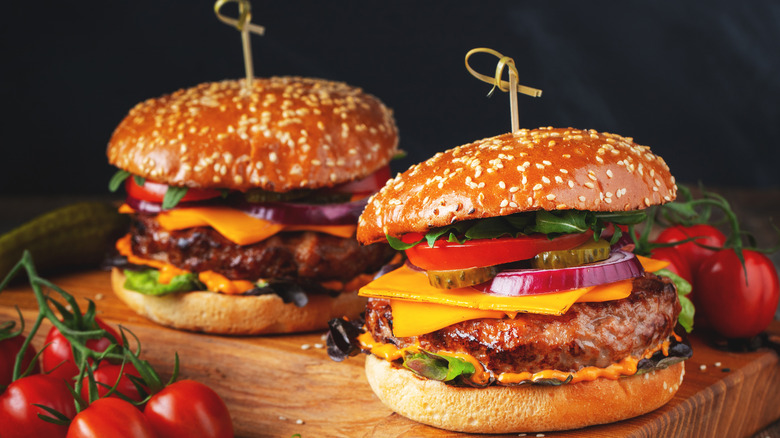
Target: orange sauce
(626, 367)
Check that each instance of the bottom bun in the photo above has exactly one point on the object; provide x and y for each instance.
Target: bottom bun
(527, 408)
(238, 314)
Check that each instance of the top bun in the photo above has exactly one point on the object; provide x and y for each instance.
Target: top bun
(287, 133)
(539, 169)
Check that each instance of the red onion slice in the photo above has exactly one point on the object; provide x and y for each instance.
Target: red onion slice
(289, 213)
(286, 213)
(620, 265)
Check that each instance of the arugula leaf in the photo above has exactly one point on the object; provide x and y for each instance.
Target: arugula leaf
(493, 227)
(147, 282)
(172, 197)
(119, 177)
(459, 228)
(569, 221)
(398, 244)
(551, 223)
(438, 367)
(683, 288)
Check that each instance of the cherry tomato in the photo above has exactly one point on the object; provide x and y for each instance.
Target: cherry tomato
(155, 192)
(9, 348)
(367, 185)
(59, 352)
(733, 307)
(110, 417)
(488, 252)
(19, 416)
(189, 409)
(679, 264)
(108, 374)
(692, 252)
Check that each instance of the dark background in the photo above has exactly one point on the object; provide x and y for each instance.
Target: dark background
(698, 81)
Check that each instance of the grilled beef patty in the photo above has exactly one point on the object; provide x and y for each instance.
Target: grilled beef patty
(302, 254)
(589, 334)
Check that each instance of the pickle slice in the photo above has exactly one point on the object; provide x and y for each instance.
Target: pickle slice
(455, 278)
(589, 252)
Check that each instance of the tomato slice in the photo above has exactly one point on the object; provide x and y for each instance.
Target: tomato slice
(368, 185)
(155, 192)
(489, 252)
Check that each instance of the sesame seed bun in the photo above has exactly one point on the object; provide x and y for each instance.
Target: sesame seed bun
(287, 133)
(539, 169)
(528, 408)
(211, 312)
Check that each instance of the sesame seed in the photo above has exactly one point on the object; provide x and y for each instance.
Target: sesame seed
(609, 173)
(545, 180)
(589, 185)
(502, 184)
(537, 187)
(504, 203)
(550, 197)
(581, 198)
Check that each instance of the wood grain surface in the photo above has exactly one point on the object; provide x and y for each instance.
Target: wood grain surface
(278, 386)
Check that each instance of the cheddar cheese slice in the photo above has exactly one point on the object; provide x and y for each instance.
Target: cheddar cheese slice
(407, 284)
(420, 308)
(237, 226)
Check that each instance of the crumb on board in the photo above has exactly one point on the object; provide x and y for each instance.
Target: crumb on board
(703, 367)
(717, 364)
(299, 421)
(305, 346)
(99, 296)
(318, 345)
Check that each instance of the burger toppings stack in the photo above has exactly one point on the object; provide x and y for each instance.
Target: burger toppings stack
(520, 307)
(244, 203)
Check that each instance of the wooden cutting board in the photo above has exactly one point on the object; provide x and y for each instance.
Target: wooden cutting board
(278, 386)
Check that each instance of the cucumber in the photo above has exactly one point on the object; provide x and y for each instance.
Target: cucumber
(75, 235)
(456, 278)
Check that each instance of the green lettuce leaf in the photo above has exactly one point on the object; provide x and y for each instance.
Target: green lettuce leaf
(146, 282)
(683, 288)
(438, 367)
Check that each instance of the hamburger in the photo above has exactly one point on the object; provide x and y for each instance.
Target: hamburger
(519, 307)
(244, 203)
